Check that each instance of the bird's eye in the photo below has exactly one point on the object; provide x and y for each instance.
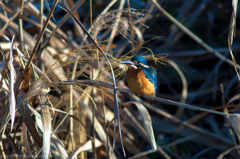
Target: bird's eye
(138, 62)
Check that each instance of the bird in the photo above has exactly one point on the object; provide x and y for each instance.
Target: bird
(141, 78)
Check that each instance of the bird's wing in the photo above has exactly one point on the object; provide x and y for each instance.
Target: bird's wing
(151, 74)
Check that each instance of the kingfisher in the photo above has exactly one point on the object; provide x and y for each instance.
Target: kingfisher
(141, 78)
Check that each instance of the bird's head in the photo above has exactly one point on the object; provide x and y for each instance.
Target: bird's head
(136, 61)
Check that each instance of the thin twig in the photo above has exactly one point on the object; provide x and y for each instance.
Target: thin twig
(193, 36)
(20, 28)
(116, 114)
(121, 5)
(75, 7)
(37, 44)
(96, 83)
(228, 151)
(13, 17)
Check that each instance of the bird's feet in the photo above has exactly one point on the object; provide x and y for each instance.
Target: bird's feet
(141, 94)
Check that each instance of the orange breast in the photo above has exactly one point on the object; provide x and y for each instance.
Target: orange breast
(138, 83)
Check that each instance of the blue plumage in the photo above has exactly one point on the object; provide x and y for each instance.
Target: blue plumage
(139, 59)
(150, 73)
(141, 79)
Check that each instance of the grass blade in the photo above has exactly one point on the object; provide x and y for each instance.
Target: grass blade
(57, 143)
(235, 122)
(146, 121)
(116, 112)
(12, 99)
(26, 116)
(59, 146)
(231, 33)
(47, 5)
(46, 120)
(39, 39)
(86, 147)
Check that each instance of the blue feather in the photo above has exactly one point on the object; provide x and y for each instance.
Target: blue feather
(150, 74)
(140, 59)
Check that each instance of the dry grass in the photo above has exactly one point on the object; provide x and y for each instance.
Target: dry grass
(63, 93)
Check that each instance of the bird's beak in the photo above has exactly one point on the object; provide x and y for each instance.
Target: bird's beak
(132, 64)
(127, 62)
